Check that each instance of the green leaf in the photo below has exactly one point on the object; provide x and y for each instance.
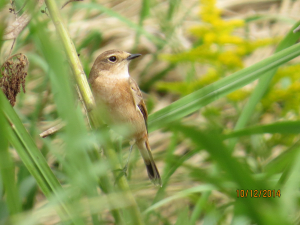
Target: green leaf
(31, 156)
(283, 162)
(183, 217)
(173, 6)
(220, 88)
(292, 182)
(238, 173)
(7, 167)
(181, 194)
(277, 17)
(287, 127)
(264, 83)
(28, 151)
(198, 208)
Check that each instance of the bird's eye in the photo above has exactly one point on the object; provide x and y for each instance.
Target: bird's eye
(112, 58)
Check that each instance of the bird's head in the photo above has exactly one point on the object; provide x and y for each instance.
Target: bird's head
(113, 63)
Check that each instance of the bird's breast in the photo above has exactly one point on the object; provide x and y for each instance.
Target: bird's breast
(115, 99)
(112, 91)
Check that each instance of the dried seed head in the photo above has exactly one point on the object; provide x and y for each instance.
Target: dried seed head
(14, 72)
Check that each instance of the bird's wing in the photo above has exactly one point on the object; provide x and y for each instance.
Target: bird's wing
(138, 99)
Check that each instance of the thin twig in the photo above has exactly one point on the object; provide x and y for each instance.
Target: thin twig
(11, 48)
(13, 30)
(52, 130)
(84, 107)
(10, 57)
(70, 1)
(21, 7)
(13, 8)
(45, 11)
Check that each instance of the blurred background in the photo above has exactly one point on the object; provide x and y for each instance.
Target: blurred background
(185, 46)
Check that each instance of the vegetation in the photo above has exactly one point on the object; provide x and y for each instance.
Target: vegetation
(222, 90)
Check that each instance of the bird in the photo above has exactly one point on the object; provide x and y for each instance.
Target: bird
(120, 103)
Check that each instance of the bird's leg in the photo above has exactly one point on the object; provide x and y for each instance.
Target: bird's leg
(127, 163)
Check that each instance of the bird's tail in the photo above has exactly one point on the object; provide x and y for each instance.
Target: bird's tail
(152, 170)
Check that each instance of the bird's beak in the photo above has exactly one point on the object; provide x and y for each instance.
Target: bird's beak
(133, 56)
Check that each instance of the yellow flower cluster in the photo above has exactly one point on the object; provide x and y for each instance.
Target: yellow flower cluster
(238, 95)
(219, 48)
(230, 59)
(208, 12)
(249, 46)
(215, 29)
(185, 88)
(284, 91)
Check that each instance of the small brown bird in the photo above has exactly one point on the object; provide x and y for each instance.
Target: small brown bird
(120, 103)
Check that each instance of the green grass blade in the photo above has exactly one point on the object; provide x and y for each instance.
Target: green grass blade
(79, 164)
(144, 13)
(210, 93)
(181, 194)
(200, 204)
(183, 217)
(129, 23)
(76, 163)
(28, 151)
(173, 5)
(263, 83)
(283, 161)
(7, 169)
(240, 175)
(272, 17)
(289, 198)
(288, 127)
(31, 156)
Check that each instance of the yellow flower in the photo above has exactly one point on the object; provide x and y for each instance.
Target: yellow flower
(238, 95)
(230, 59)
(218, 47)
